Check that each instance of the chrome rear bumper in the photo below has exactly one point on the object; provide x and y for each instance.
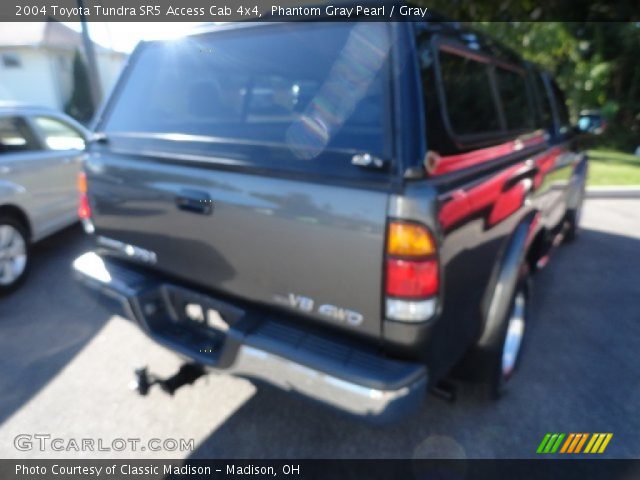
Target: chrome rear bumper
(343, 395)
(346, 376)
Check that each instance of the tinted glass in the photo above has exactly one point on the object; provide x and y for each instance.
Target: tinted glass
(437, 137)
(542, 100)
(512, 88)
(58, 135)
(308, 87)
(15, 136)
(468, 95)
(563, 113)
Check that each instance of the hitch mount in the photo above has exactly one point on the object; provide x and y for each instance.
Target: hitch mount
(186, 375)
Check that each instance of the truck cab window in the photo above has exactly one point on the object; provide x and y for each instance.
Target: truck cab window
(468, 95)
(564, 124)
(542, 101)
(512, 89)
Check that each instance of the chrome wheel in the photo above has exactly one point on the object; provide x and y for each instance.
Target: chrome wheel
(13, 254)
(515, 333)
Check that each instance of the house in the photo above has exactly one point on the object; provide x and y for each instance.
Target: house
(36, 63)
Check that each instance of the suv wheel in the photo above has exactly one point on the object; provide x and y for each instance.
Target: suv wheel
(14, 254)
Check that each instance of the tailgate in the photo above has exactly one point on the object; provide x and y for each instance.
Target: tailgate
(256, 161)
(310, 247)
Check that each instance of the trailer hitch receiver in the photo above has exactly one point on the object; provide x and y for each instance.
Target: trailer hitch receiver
(188, 373)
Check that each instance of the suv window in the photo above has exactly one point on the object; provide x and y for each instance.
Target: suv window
(307, 87)
(468, 95)
(58, 135)
(15, 136)
(512, 88)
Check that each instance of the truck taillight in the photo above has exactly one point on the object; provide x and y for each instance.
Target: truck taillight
(412, 272)
(409, 239)
(411, 278)
(84, 207)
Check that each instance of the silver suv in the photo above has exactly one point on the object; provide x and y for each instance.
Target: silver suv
(40, 155)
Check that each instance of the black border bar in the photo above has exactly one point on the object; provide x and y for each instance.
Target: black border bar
(320, 10)
(319, 469)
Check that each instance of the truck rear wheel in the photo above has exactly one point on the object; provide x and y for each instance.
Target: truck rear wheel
(494, 364)
(14, 253)
(503, 358)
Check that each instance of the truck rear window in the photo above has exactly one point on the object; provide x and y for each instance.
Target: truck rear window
(307, 87)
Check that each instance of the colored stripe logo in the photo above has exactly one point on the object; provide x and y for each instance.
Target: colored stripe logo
(574, 443)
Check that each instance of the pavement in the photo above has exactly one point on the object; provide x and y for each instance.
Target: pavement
(65, 363)
(613, 191)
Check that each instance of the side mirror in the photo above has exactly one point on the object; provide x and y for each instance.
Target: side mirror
(591, 122)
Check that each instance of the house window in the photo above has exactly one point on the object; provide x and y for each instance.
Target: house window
(11, 60)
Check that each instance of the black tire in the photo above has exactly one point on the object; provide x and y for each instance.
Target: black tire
(484, 365)
(18, 228)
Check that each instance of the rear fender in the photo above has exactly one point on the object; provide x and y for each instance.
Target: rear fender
(504, 279)
(10, 192)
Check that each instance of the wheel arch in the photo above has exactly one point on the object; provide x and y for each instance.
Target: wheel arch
(507, 272)
(19, 214)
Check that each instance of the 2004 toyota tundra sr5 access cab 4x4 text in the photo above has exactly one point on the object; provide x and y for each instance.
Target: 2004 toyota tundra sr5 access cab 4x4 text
(351, 211)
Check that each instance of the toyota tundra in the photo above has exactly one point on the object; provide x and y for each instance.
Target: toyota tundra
(351, 211)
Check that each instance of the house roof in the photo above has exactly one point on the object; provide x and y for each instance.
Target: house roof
(42, 35)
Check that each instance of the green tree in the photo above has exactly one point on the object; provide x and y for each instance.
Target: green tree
(592, 54)
(594, 62)
(80, 105)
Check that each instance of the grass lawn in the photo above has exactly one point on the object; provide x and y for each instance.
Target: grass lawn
(610, 167)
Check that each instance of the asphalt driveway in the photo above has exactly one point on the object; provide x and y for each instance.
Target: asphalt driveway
(65, 363)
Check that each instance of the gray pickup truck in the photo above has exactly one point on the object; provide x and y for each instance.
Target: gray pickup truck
(350, 211)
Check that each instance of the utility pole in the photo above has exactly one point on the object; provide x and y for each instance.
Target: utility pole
(90, 55)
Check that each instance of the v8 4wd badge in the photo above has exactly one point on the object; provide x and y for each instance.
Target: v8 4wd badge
(306, 304)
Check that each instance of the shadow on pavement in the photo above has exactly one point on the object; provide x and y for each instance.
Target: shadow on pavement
(581, 373)
(45, 323)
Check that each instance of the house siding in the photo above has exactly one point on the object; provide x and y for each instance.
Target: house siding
(32, 82)
(46, 75)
